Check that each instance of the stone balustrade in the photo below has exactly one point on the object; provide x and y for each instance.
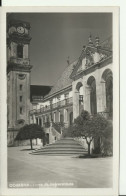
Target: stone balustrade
(59, 104)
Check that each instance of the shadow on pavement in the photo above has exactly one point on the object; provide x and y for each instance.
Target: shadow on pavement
(27, 149)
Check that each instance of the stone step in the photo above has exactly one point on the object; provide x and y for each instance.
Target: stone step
(59, 153)
(59, 149)
(65, 142)
(65, 146)
(62, 145)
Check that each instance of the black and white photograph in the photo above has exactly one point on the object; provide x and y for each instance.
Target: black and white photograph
(62, 94)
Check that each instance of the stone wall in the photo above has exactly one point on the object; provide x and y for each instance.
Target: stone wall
(53, 134)
(100, 91)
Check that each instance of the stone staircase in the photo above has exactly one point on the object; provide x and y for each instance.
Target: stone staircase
(63, 147)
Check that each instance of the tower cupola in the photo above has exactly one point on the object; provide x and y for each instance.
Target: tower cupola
(90, 42)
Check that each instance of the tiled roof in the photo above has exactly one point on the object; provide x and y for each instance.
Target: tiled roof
(64, 80)
(107, 44)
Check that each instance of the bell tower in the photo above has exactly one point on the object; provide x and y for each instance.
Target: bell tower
(18, 73)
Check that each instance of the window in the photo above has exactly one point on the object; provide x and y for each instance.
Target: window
(67, 114)
(21, 110)
(81, 98)
(20, 98)
(37, 121)
(20, 51)
(21, 86)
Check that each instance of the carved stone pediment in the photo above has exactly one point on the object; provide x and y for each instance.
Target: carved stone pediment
(89, 57)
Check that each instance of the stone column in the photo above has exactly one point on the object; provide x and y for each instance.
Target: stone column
(51, 115)
(34, 119)
(75, 104)
(59, 116)
(42, 121)
(87, 104)
(54, 117)
(25, 51)
(100, 95)
(65, 116)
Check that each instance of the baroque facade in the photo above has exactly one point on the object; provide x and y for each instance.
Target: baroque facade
(85, 84)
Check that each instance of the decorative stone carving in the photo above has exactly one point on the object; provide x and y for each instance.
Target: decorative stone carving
(20, 122)
(89, 58)
(102, 56)
(19, 61)
(21, 76)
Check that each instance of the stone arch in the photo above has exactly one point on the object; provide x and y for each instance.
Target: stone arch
(107, 77)
(79, 94)
(91, 82)
(106, 73)
(78, 86)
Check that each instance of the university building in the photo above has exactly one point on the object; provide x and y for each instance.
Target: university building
(85, 84)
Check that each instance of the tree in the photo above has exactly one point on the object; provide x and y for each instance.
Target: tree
(90, 127)
(32, 131)
(107, 141)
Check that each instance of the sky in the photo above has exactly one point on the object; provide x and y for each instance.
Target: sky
(55, 36)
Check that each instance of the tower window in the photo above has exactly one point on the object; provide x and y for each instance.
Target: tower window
(20, 51)
(20, 98)
(21, 110)
(21, 87)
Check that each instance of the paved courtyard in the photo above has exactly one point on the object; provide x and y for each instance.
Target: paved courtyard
(60, 171)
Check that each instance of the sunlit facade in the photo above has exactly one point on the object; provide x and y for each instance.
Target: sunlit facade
(85, 84)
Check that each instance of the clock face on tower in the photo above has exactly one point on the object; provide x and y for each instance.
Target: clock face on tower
(20, 30)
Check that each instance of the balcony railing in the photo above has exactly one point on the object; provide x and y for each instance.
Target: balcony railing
(63, 103)
(59, 104)
(19, 60)
(37, 98)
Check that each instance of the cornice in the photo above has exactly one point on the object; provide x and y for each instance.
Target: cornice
(58, 93)
(86, 53)
(18, 67)
(93, 68)
(17, 23)
(25, 39)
